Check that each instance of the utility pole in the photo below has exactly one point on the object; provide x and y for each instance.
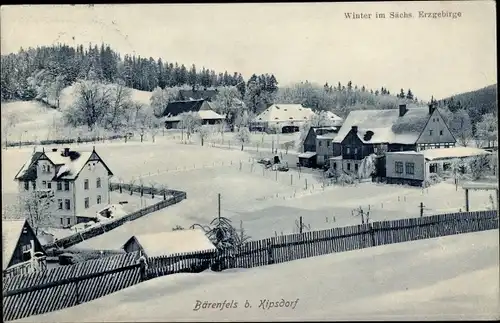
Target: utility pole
(362, 215)
(421, 206)
(219, 206)
(300, 224)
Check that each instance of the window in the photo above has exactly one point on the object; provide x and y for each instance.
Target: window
(44, 169)
(68, 204)
(375, 149)
(62, 221)
(89, 167)
(26, 252)
(59, 186)
(319, 143)
(348, 150)
(60, 204)
(27, 186)
(98, 199)
(440, 132)
(66, 186)
(410, 168)
(98, 182)
(86, 184)
(433, 168)
(348, 166)
(34, 184)
(87, 202)
(335, 166)
(356, 167)
(446, 166)
(430, 132)
(398, 167)
(69, 221)
(355, 150)
(49, 184)
(44, 184)
(48, 168)
(328, 144)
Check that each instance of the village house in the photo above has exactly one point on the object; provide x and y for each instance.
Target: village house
(170, 243)
(74, 180)
(318, 146)
(414, 168)
(22, 252)
(366, 132)
(203, 109)
(282, 118)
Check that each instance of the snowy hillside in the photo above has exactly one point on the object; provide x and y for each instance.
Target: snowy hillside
(448, 278)
(32, 120)
(68, 94)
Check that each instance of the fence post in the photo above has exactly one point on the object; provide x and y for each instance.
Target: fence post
(77, 295)
(143, 267)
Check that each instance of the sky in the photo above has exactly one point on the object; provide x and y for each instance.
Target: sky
(293, 41)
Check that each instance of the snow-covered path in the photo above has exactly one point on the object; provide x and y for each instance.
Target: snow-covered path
(454, 277)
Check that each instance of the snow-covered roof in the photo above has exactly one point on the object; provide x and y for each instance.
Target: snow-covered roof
(454, 152)
(67, 167)
(202, 114)
(285, 112)
(11, 231)
(332, 116)
(178, 241)
(445, 153)
(308, 154)
(209, 114)
(328, 135)
(380, 123)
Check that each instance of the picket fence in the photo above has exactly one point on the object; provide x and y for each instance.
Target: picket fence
(315, 243)
(58, 288)
(66, 242)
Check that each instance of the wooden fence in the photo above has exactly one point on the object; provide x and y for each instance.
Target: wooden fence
(66, 242)
(62, 287)
(309, 244)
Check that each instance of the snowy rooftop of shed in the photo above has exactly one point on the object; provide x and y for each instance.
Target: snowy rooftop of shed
(179, 241)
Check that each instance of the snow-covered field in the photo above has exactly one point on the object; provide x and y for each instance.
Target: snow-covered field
(265, 205)
(449, 278)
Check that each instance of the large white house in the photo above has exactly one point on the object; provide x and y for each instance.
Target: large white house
(77, 181)
(289, 117)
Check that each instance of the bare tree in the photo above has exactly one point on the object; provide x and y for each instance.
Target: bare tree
(221, 128)
(203, 132)
(479, 166)
(189, 122)
(9, 121)
(56, 88)
(154, 127)
(120, 105)
(243, 136)
(487, 130)
(91, 104)
(161, 98)
(37, 206)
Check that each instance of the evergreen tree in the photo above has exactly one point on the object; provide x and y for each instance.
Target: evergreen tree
(409, 95)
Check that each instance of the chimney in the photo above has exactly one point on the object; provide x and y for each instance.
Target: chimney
(66, 152)
(402, 110)
(355, 129)
(432, 107)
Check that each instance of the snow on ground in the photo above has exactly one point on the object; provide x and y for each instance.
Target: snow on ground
(33, 120)
(449, 278)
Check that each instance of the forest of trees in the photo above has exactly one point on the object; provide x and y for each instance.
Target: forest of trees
(71, 64)
(104, 77)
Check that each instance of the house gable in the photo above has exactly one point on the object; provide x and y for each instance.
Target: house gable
(310, 140)
(436, 130)
(14, 241)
